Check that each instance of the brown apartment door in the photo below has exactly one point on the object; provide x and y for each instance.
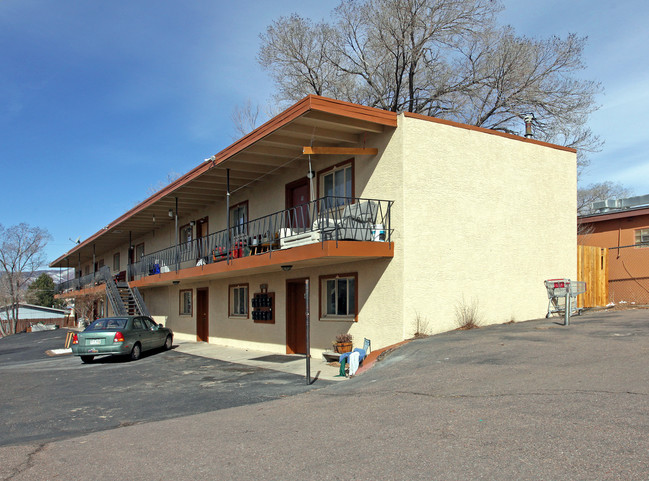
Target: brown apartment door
(202, 318)
(297, 194)
(295, 317)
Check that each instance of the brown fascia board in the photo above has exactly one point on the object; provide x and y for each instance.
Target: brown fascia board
(612, 215)
(489, 131)
(308, 103)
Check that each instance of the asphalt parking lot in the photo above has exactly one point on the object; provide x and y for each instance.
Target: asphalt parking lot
(45, 398)
(525, 401)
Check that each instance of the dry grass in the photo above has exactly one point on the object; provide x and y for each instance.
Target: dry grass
(467, 315)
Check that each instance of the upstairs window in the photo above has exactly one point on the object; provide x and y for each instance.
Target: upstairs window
(116, 265)
(139, 252)
(239, 219)
(336, 184)
(185, 234)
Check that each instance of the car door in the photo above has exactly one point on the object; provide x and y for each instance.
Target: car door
(140, 334)
(157, 336)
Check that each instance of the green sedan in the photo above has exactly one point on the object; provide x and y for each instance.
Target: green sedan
(121, 336)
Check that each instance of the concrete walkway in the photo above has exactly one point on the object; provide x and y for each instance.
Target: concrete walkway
(251, 357)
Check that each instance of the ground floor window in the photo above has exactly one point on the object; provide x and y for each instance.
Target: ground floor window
(238, 303)
(186, 302)
(338, 297)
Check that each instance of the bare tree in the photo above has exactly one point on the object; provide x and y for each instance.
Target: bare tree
(443, 58)
(171, 176)
(247, 117)
(85, 306)
(596, 192)
(22, 252)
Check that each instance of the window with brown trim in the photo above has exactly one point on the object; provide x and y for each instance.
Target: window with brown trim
(339, 297)
(239, 219)
(336, 185)
(238, 300)
(185, 234)
(185, 302)
(139, 252)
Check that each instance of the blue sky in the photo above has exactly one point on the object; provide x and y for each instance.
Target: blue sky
(99, 101)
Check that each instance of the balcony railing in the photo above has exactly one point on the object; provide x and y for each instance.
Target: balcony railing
(327, 218)
(92, 279)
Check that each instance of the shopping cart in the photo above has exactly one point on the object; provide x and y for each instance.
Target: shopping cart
(562, 292)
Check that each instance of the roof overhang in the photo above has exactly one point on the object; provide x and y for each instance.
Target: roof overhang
(622, 214)
(276, 145)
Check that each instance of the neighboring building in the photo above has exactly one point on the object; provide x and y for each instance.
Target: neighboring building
(395, 220)
(622, 226)
(29, 314)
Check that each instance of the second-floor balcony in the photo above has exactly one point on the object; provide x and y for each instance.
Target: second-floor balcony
(334, 221)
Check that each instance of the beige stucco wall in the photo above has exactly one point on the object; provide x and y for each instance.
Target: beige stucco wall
(487, 219)
(478, 219)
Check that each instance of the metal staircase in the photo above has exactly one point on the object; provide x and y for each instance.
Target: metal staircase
(124, 300)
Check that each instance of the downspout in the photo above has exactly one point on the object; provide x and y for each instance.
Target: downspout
(619, 240)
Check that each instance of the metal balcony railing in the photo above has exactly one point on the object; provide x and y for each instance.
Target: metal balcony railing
(92, 279)
(327, 218)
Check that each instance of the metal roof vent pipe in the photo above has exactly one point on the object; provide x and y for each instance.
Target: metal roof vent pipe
(528, 118)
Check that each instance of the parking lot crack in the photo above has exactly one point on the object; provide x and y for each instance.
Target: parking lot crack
(28, 463)
(497, 395)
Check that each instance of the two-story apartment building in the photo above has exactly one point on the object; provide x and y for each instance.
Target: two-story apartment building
(395, 220)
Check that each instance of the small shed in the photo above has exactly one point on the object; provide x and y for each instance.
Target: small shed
(29, 314)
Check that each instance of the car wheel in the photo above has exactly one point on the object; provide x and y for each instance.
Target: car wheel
(168, 343)
(87, 359)
(136, 352)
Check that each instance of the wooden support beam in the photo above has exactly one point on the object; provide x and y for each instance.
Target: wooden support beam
(339, 150)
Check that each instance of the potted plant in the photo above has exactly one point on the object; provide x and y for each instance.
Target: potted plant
(343, 343)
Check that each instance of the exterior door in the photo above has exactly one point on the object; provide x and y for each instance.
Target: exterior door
(295, 317)
(297, 194)
(202, 318)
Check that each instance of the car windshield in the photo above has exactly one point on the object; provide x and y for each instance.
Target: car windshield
(109, 323)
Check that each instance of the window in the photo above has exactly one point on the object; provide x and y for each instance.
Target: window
(139, 252)
(337, 184)
(116, 262)
(185, 234)
(137, 323)
(239, 218)
(239, 300)
(338, 298)
(186, 302)
(642, 237)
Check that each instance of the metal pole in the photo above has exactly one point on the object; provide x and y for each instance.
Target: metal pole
(308, 336)
(566, 321)
(227, 214)
(176, 224)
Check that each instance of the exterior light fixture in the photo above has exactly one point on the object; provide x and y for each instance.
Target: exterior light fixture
(171, 213)
(192, 223)
(175, 283)
(310, 174)
(287, 268)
